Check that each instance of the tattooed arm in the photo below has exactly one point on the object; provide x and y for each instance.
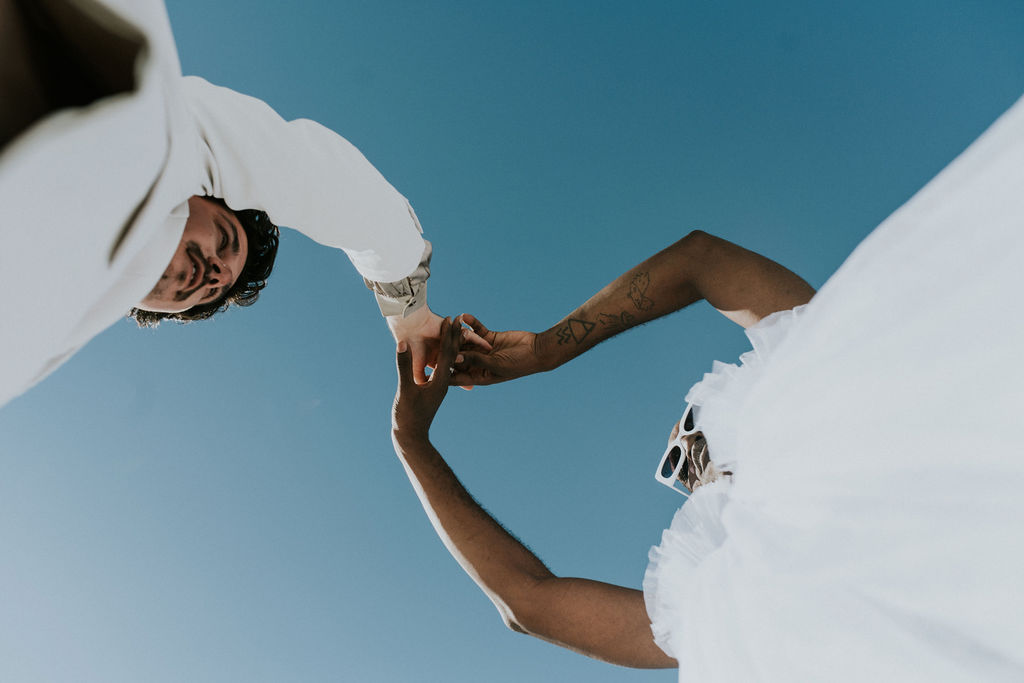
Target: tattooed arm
(597, 619)
(742, 285)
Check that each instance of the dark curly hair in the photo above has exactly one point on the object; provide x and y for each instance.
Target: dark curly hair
(263, 240)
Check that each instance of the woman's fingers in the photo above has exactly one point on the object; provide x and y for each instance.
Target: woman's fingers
(403, 359)
(468, 380)
(450, 338)
(420, 363)
(475, 369)
(476, 360)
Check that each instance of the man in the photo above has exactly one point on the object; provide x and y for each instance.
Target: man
(603, 621)
(120, 179)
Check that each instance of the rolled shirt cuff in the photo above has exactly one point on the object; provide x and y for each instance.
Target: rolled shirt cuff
(406, 295)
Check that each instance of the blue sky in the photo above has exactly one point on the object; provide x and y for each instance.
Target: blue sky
(220, 502)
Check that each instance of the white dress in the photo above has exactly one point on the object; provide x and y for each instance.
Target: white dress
(873, 529)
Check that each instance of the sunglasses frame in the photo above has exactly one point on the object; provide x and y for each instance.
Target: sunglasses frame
(673, 481)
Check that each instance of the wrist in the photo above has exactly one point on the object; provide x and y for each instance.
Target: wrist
(407, 438)
(549, 353)
(402, 325)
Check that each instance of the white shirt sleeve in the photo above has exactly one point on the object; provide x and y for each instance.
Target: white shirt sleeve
(304, 176)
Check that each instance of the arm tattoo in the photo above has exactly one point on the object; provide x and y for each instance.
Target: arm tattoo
(575, 330)
(616, 323)
(637, 292)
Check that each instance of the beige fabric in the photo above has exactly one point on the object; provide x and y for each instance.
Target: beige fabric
(406, 295)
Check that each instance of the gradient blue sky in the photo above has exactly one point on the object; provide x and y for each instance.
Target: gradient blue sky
(220, 502)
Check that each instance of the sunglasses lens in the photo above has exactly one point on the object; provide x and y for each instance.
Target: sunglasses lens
(671, 461)
(688, 420)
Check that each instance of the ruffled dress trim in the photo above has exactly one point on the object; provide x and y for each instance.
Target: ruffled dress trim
(697, 530)
(720, 395)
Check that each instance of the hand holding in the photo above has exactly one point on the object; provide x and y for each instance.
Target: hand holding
(421, 331)
(416, 404)
(512, 354)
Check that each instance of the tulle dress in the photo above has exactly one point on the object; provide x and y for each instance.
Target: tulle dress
(873, 529)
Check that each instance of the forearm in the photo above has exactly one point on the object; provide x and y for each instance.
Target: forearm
(742, 285)
(502, 567)
(654, 288)
(305, 176)
(599, 620)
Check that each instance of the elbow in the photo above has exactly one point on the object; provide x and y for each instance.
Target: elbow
(523, 612)
(509, 617)
(700, 247)
(513, 624)
(522, 623)
(698, 239)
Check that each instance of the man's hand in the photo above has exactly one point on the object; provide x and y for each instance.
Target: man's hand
(417, 403)
(421, 331)
(512, 354)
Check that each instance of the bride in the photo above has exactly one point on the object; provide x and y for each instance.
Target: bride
(856, 509)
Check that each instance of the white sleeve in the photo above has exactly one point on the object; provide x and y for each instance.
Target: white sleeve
(304, 176)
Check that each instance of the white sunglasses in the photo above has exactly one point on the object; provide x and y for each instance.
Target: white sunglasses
(672, 469)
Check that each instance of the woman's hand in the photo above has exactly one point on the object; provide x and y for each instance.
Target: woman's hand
(512, 354)
(417, 403)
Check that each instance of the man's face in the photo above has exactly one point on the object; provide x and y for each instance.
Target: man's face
(209, 258)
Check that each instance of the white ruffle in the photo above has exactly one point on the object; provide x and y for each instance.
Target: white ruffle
(722, 393)
(696, 532)
(872, 529)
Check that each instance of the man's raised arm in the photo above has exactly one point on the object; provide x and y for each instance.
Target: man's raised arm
(742, 285)
(308, 177)
(597, 619)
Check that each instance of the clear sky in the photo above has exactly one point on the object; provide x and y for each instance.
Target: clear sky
(220, 502)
